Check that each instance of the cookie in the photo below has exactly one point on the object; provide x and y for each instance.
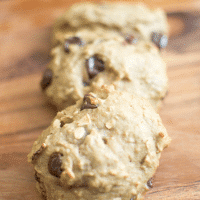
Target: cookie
(133, 19)
(87, 60)
(106, 147)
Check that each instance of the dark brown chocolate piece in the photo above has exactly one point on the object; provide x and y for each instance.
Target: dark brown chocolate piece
(94, 65)
(87, 103)
(47, 79)
(62, 124)
(72, 40)
(54, 164)
(105, 140)
(130, 39)
(159, 40)
(150, 182)
(66, 121)
(38, 152)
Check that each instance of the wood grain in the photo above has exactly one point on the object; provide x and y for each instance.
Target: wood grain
(25, 35)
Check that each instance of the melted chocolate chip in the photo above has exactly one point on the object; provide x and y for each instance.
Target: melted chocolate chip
(54, 164)
(47, 79)
(62, 124)
(94, 65)
(37, 178)
(150, 183)
(72, 40)
(38, 152)
(87, 104)
(159, 40)
(130, 39)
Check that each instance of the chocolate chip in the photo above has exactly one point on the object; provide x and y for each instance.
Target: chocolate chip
(159, 40)
(38, 152)
(150, 183)
(130, 39)
(62, 124)
(143, 159)
(94, 65)
(72, 40)
(105, 140)
(47, 79)
(66, 121)
(54, 164)
(87, 103)
(37, 178)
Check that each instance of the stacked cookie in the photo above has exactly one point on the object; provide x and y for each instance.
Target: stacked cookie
(108, 74)
(107, 44)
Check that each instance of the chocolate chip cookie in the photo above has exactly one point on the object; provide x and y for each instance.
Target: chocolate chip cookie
(87, 60)
(124, 18)
(107, 146)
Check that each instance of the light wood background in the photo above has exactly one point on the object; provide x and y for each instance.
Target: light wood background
(25, 31)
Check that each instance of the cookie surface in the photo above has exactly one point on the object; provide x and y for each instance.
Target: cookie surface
(87, 60)
(125, 18)
(107, 146)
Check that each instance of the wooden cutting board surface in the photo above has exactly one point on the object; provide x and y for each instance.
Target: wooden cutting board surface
(25, 31)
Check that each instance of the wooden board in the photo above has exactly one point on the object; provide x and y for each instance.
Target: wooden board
(25, 30)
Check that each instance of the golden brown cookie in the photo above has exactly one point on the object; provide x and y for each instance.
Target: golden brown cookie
(126, 18)
(87, 60)
(106, 147)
